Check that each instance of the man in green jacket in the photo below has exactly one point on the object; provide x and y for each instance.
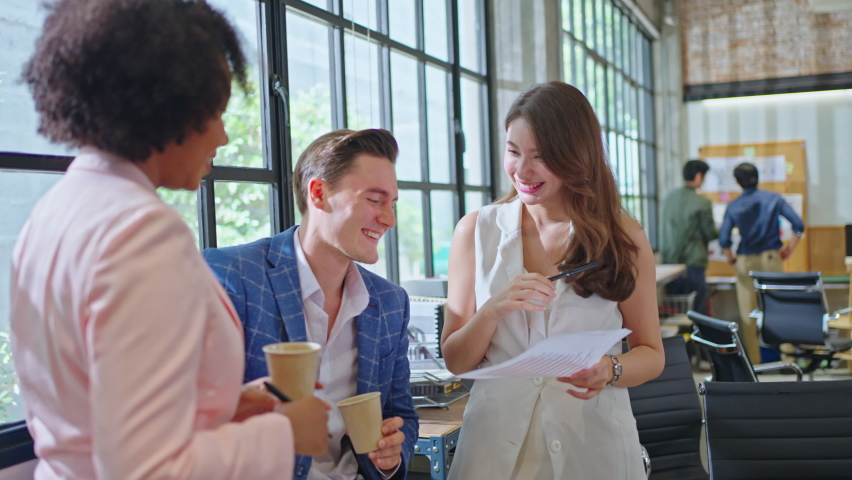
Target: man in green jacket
(686, 228)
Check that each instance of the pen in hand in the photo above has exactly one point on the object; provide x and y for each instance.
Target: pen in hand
(278, 393)
(580, 269)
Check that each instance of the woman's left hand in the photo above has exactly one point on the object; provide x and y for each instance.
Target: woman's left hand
(594, 379)
(254, 400)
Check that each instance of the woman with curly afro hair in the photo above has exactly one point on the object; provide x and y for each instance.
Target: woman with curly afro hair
(130, 354)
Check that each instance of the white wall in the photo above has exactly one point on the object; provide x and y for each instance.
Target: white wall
(822, 119)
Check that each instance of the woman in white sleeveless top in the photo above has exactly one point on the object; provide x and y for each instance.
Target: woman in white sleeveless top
(563, 211)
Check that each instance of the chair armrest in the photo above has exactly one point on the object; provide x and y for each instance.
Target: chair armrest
(842, 311)
(726, 348)
(768, 367)
(646, 461)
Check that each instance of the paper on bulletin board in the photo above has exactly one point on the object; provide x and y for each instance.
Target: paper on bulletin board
(795, 200)
(720, 177)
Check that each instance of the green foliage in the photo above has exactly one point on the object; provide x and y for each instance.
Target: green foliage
(8, 380)
(409, 221)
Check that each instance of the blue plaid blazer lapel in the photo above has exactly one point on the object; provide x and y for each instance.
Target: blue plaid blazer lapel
(368, 343)
(283, 277)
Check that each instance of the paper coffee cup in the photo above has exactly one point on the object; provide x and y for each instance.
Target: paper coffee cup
(293, 367)
(362, 415)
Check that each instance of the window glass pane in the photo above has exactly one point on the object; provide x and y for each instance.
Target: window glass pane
(310, 81)
(380, 268)
(567, 61)
(631, 38)
(625, 45)
(363, 12)
(590, 90)
(435, 28)
(579, 67)
(363, 98)
(243, 116)
(566, 15)
(20, 24)
(612, 153)
(409, 228)
(19, 192)
(242, 212)
(438, 114)
(600, 94)
(470, 35)
(473, 201)
(616, 36)
(610, 97)
(600, 44)
(607, 24)
(406, 115)
(472, 125)
(186, 204)
(577, 28)
(589, 16)
(443, 223)
(402, 21)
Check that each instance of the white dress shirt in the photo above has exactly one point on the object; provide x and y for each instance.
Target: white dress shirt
(338, 365)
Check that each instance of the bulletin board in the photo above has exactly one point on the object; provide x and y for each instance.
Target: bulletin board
(782, 169)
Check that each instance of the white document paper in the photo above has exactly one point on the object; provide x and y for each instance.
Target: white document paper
(558, 356)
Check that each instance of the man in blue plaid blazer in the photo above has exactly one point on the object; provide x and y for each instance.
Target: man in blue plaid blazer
(304, 285)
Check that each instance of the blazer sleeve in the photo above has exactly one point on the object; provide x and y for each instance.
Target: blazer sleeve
(227, 271)
(401, 403)
(145, 325)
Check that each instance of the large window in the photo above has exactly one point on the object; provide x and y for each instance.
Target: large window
(317, 65)
(401, 65)
(607, 56)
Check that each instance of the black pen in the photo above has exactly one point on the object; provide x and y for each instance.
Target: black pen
(580, 269)
(278, 393)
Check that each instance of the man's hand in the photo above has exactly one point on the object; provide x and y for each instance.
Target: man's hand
(594, 379)
(309, 418)
(731, 259)
(388, 455)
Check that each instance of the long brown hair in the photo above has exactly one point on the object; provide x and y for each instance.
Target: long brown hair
(568, 137)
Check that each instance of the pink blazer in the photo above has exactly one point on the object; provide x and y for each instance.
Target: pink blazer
(129, 353)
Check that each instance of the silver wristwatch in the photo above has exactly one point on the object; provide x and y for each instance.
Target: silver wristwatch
(616, 369)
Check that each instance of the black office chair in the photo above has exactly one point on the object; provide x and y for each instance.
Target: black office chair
(778, 430)
(730, 362)
(792, 308)
(668, 416)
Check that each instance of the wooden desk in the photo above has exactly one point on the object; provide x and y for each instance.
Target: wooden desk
(667, 273)
(439, 433)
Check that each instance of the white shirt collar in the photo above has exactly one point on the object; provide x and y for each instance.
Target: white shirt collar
(355, 294)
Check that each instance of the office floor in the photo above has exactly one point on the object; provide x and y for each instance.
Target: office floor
(419, 470)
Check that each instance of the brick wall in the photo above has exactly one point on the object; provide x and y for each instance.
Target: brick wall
(736, 40)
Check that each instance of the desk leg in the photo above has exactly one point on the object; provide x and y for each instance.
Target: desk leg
(438, 450)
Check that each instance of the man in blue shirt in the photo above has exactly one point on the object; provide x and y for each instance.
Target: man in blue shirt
(755, 213)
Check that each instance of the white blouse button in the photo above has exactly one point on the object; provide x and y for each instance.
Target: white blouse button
(537, 381)
(555, 446)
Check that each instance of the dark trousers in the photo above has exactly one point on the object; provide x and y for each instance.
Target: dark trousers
(695, 281)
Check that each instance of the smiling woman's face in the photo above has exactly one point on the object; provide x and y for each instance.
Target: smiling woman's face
(522, 163)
